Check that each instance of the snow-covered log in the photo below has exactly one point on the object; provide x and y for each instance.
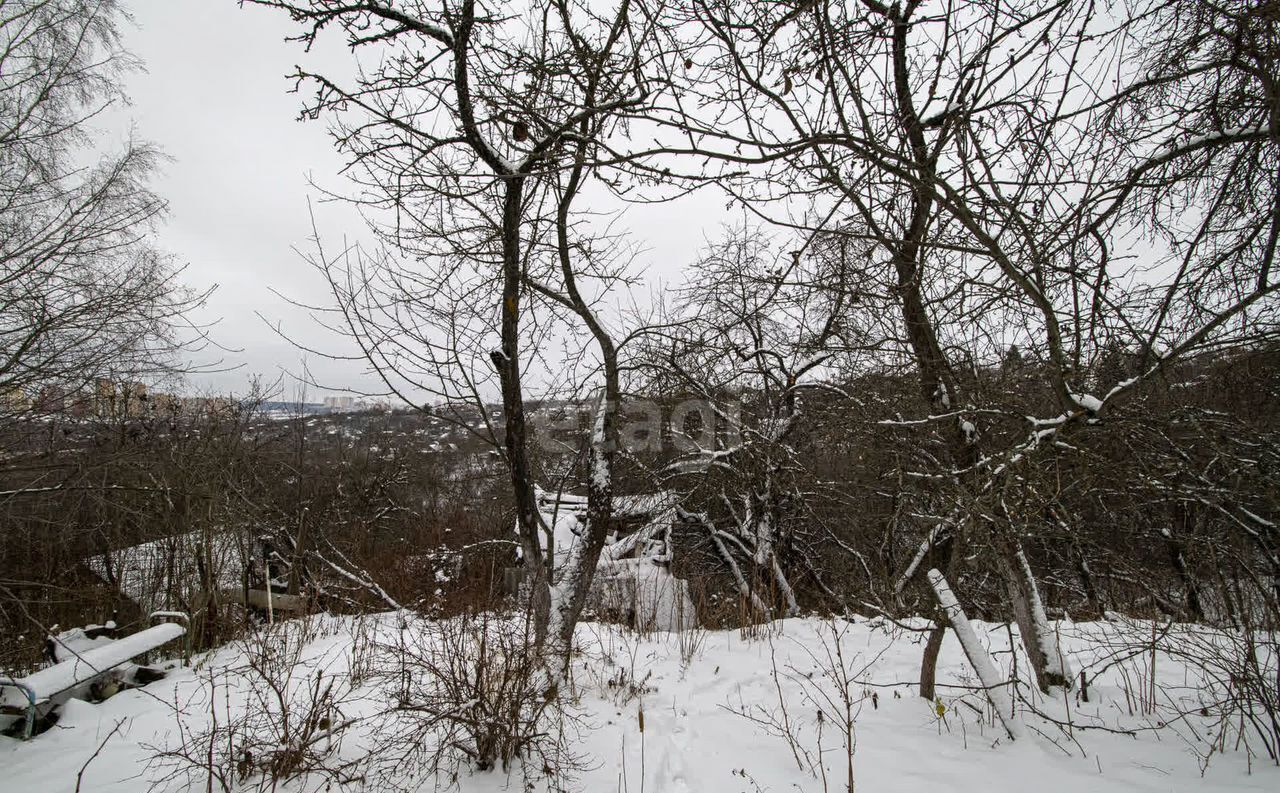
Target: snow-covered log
(992, 685)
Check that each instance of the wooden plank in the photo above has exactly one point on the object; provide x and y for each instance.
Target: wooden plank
(258, 599)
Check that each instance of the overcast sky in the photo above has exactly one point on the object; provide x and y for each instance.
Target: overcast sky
(214, 97)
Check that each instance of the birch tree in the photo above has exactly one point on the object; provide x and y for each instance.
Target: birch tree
(83, 292)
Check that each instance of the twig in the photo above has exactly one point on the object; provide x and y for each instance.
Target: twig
(96, 752)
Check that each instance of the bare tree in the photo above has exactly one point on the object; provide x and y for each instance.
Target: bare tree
(83, 294)
(1002, 164)
(756, 332)
(988, 175)
(473, 137)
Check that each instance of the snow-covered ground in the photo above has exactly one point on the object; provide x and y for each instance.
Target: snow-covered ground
(709, 700)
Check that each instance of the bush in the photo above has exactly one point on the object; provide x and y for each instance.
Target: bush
(468, 692)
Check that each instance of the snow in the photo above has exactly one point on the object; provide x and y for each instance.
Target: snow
(925, 546)
(1055, 662)
(943, 395)
(651, 539)
(699, 694)
(657, 599)
(149, 574)
(565, 532)
(366, 583)
(1256, 518)
(1120, 387)
(1088, 401)
(601, 476)
(1197, 141)
(948, 108)
(565, 513)
(73, 642)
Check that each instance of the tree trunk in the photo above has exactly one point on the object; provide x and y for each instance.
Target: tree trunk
(929, 663)
(1046, 659)
(945, 549)
(568, 595)
(577, 573)
(1177, 557)
(515, 437)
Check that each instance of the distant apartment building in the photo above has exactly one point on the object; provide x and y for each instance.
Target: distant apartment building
(110, 400)
(104, 398)
(133, 399)
(119, 400)
(339, 403)
(15, 400)
(166, 405)
(214, 407)
(52, 399)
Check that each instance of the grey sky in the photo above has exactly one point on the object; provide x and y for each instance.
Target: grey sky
(215, 99)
